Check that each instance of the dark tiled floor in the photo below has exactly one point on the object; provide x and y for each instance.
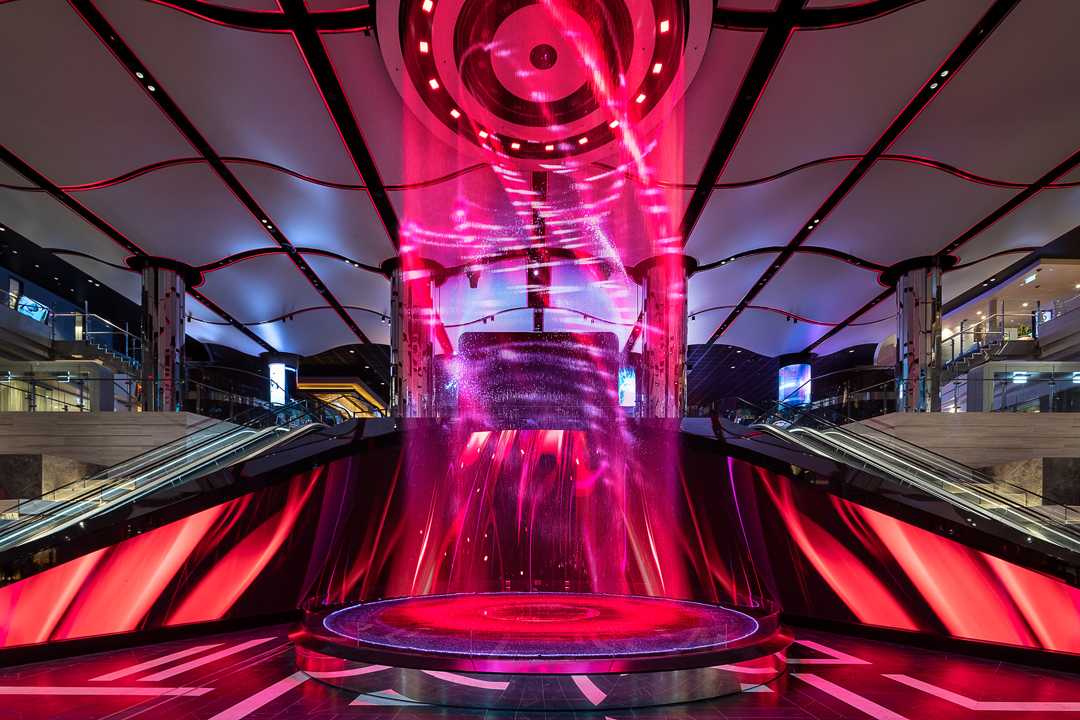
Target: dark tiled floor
(250, 675)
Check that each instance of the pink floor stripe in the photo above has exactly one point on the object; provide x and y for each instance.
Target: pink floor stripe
(205, 660)
(987, 705)
(588, 688)
(351, 672)
(465, 680)
(100, 690)
(871, 708)
(835, 656)
(249, 705)
(157, 662)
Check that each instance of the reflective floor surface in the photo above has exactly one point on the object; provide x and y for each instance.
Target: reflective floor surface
(250, 675)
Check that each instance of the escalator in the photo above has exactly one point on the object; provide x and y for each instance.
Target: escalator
(31, 523)
(886, 465)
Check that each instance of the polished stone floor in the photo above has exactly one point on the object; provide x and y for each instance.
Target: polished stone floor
(250, 674)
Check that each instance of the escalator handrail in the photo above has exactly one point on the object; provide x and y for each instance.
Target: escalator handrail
(48, 523)
(1032, 514)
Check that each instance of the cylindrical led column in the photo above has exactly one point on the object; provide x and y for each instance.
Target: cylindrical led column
(163, 295)
(918, 336)
(663, 353)
(412, 388)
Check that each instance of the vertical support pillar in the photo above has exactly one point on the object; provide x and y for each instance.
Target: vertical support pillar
(663, 353)
(163, 315)
(918, 333)
(412, 311)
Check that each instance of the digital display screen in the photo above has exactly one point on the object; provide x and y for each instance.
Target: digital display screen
(277, 384)
(794, 384)
(627, 387)
(33, 309)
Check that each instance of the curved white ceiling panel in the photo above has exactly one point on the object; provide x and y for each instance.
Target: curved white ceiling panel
(204, 325)
(957, 282)
(702, 112)
(353, 286)
(182, 212)
(819, 288)
(724, 286)
(1043, 218)
(901, 210)
(1011, 111)
(766, 333)
(309, 334)
(762, 215)
(312, 215)
(47, 223)
(70, 109)
(404, 150)
(249, 93)
(876, 325)
(835, 91)
(266, 288)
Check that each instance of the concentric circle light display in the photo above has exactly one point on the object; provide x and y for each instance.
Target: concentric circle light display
(533, 81)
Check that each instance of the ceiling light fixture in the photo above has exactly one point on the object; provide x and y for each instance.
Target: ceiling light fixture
(549, 148)
(428, 5)
(933, 86)
(582, 140)
(515, 146)
(657, 68)
(664, 26)
(423, 46)
(455, 114)
(139, 75)
(944, 73)
(433, 83)
(151, 88)
(640, 98)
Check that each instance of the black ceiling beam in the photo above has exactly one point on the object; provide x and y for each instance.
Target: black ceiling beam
(766, 58)
(20, 166)
(356, 18)
(1058, 171)
(322, 70)
(109, 36)
(975, 37)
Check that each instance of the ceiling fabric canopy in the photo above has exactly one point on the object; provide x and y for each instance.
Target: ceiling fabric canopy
(289, 149)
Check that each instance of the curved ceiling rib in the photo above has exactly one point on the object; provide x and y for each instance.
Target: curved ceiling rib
(126, 56)
(929, 90)
(1060, 170)
(17, 163)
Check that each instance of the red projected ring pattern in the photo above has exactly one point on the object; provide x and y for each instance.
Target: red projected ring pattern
(533, 81)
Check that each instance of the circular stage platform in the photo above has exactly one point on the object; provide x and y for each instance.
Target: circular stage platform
(542, 651)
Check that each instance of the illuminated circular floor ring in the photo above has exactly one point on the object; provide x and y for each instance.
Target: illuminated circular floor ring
(542, 651)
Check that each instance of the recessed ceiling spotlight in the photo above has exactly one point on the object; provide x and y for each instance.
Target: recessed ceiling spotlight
(656, 68)
(817, 220)
(1024, 304)
(664, 26)
(613, 124)
(549, 148)
(933, 86)
(483, 134)
(455, 114)
(944, 73)
(433, 83)
(810, 226)
(582, 140)
(424, 46)
(139, 75)
(640, 98)
(428, 5)
(979, 312)
(151, 88)
(264, 221)
(515, 146)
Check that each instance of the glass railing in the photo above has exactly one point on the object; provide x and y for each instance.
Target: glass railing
(209, 448)
(104, 336)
